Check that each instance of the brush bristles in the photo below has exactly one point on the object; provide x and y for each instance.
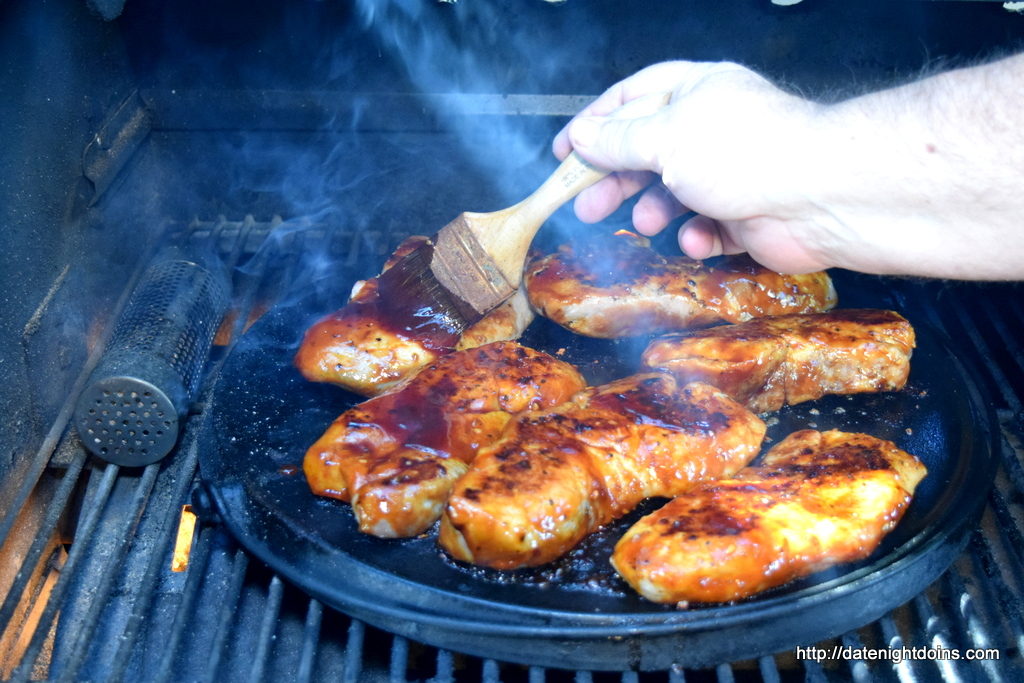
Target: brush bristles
(411, 292)
(445, 285)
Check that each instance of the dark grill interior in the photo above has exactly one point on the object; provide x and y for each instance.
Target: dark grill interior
(305, 177)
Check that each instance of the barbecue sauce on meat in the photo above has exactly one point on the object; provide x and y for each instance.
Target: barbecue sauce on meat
(394, 325)
(416, 419)
(556, 476)
(778, 360)
(615, 286)
(650, 404)
(818, 499)
(431, 328)
(396, 456)
(410, 302)
(604, 263)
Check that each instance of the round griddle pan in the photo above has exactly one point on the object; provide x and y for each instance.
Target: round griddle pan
(576, 613)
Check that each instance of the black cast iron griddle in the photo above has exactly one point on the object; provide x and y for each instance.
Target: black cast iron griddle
(576, 613)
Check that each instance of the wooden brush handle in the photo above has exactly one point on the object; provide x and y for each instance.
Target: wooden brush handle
(570, 178)
(506, 235)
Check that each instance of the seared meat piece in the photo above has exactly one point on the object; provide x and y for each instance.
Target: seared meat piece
(505, 323)
(556, 476)
(364, 350)
(617, 286)
(395, 456)
(819, 499)
(770, 362)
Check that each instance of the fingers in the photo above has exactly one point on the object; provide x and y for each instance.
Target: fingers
(655, 209)
(624, 144)
(561, 146)
(659, 78)
(700, 238)
(601, 200)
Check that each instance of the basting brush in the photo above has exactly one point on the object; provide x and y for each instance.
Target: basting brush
(474, 263)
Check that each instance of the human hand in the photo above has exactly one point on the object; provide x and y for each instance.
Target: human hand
(921, 179)
(729, 146)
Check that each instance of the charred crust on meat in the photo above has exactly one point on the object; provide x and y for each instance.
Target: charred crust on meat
(709, 520)
(505, 454)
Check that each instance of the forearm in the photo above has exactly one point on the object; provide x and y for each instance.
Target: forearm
(924, 179)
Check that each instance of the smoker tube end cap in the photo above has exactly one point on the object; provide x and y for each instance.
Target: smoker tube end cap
(127, 421)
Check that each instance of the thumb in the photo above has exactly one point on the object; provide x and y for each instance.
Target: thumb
(629, 139)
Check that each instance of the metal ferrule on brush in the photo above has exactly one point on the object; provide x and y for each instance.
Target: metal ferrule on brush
(444, 286)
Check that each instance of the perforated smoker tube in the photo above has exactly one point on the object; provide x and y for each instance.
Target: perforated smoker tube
(130, 410)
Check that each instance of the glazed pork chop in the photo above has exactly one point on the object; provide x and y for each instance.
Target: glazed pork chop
(395, 456)
(612, 286)
(782, 360)
(818, 499)
(556, 476)
(364, 350)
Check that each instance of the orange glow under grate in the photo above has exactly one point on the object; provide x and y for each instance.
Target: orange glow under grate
(183, 543)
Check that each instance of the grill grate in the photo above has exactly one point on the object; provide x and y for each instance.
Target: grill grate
(107, 607)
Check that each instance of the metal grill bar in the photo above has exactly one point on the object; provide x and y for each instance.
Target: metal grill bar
(894, 640)
(353, 652)
(227, 610)
(399, 659)
(445, 671)
(998, 595)
(814, 672)
(266, 632)
(197, 565)
(1009, 539)
(491, 673)
(950, 605)
(858, 669)
(85, 627)
(310, 637)
(1014, 360)
(1012, 466)
(769, 669)
(164, 506)
(976, 628)
(1006, 392)
(42, 540)
(31, 477)
(78, 552)
(937, 634)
